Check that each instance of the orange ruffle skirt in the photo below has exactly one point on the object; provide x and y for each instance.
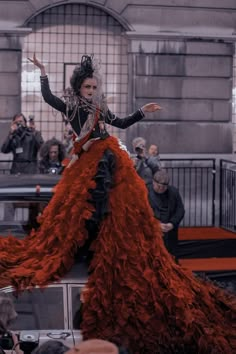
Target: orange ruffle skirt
(136, 293)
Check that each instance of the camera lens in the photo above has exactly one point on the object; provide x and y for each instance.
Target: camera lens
(138, 149)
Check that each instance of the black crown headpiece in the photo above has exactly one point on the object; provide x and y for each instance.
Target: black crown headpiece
(86, 65)
(81, 72)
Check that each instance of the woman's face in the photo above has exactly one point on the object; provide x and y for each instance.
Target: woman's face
(88, 88)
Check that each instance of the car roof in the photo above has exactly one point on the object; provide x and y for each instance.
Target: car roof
(13, 186)
(78, 275)
(28, 180)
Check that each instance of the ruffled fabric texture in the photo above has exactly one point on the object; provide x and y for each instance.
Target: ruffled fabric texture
(136, 294)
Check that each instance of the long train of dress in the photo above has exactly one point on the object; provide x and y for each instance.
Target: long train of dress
(136, 293)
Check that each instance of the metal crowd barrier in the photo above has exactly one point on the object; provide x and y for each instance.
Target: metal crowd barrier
(195, 180)
(228, 194)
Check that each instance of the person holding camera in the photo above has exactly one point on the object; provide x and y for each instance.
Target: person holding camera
(24, 143)
(8, 339)
(52, 154)
(145, 166)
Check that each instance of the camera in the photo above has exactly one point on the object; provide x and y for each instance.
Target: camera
(6, 341)
(29, 341)
(20, 128)
(31, 118)
(53, 171)
(139, 149)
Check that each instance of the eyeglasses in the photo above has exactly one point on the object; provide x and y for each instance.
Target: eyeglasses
(160, 183)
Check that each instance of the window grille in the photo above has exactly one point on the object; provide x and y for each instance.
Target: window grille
(60, 36)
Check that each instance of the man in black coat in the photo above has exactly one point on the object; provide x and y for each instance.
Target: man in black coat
(168, 207)
(24, 143)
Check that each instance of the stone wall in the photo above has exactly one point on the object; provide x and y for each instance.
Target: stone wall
(180, 54)
(192, 81)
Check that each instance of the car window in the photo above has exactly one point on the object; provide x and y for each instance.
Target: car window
(19, 217)
(41, 309)
(76, 306)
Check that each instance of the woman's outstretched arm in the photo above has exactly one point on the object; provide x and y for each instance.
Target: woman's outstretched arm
(124, 123)
(48, 97)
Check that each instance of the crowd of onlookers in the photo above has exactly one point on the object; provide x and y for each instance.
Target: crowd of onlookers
(30, 154)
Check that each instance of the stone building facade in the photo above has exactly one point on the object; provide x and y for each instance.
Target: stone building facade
(180, 54)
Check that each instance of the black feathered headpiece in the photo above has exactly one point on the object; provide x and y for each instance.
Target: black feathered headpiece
(81, 72)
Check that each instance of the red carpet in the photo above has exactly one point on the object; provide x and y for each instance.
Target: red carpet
(207, 264)
(204, 233)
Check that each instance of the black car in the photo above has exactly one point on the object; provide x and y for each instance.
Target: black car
(52, 312)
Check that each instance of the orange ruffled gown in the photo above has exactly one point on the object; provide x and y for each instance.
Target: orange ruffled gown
(136, 293)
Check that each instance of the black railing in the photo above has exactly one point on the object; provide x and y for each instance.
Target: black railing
(5, 166)
(195, 180)
(228, 194)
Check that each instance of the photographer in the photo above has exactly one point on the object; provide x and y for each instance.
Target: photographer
(8, 339)
(24, 143)
(52, 154)
(145, 166)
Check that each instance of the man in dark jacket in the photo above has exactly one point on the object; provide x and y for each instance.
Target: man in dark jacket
(168, 207)
(24, 143)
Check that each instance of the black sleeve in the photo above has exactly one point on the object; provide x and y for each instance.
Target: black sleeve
(49, 98)
(126, 122)
(38, 139)
(154, 163)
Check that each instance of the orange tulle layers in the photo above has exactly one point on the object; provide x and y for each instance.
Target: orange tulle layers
(136, 293)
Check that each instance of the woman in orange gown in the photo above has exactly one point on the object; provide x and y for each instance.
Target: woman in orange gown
(136, 294)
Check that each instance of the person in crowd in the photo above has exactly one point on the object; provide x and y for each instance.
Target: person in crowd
(145, 165)
(135, 291)
(153, 150)
(168, 208)
(24, 143)
(52, 153)
(8, 339)
(51, 347)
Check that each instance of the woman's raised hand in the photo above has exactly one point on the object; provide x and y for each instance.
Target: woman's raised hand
(151, 107)
(37, 63)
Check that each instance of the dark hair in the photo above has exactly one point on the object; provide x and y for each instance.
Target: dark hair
(83, 71)
(51, 347)
(162, 176)
(19, 115)
(45, 149)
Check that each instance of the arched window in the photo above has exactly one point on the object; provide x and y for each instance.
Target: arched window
(60, 36)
